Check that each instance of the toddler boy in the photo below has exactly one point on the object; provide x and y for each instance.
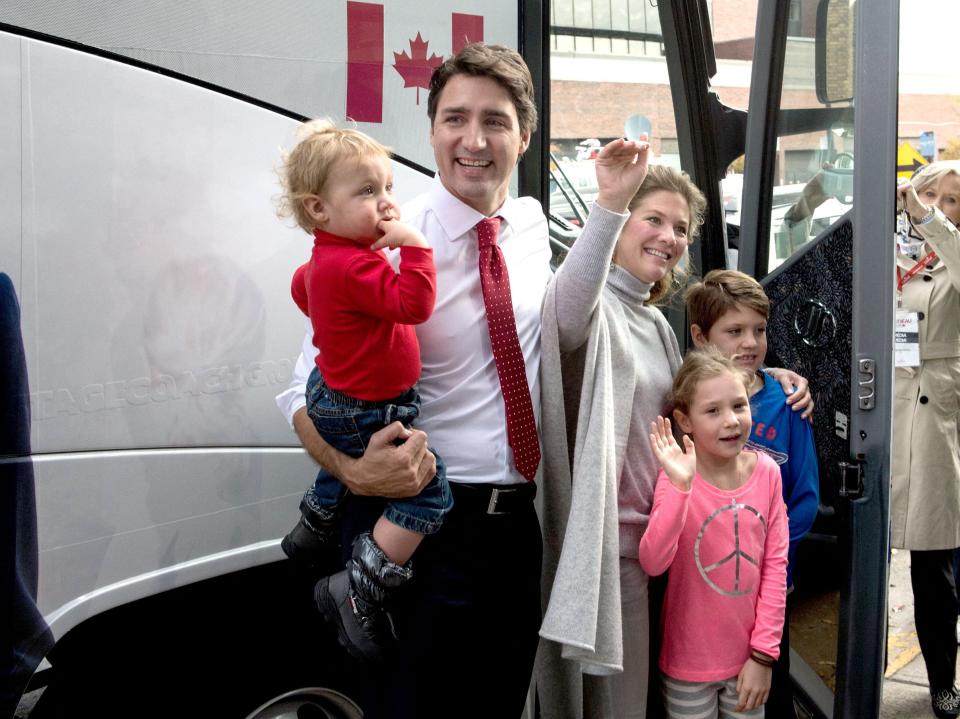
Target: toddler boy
(338, 185)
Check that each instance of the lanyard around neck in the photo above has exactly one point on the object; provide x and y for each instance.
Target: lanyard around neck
(922, 264)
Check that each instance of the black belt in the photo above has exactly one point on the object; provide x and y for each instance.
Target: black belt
(493, 498)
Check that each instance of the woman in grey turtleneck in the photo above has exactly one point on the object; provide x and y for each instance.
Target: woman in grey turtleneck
(608, 360)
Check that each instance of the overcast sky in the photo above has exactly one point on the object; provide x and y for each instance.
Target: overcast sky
(929, 34)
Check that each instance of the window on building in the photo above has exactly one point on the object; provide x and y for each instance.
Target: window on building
(606, 27)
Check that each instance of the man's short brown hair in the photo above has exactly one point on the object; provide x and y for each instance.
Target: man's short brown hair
(503, 65)
(721, 291)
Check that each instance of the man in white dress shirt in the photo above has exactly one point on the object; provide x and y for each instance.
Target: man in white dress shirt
(467, 622)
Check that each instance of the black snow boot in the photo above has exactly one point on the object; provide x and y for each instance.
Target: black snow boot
(356, 600)
(945, 702)
(315, 538)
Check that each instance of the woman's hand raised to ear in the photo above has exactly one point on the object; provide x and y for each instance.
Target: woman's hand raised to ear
(621, 167)
(908, 199)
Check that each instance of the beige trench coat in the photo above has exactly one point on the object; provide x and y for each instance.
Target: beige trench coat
(925, 497)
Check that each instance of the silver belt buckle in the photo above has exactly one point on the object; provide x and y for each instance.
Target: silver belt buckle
(492, 505)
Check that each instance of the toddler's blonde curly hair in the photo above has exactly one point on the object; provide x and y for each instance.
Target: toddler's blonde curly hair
(306, 169)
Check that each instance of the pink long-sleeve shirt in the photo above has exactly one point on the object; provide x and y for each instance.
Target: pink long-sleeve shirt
(727, 555)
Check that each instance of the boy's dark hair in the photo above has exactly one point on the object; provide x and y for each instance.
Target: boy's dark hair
(503, 65)
(721, 291)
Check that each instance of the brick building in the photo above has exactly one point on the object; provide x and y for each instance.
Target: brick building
(599, 79)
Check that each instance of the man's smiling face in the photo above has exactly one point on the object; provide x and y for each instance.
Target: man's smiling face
(476, 141)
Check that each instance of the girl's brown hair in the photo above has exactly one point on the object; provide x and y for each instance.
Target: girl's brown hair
(700, 365)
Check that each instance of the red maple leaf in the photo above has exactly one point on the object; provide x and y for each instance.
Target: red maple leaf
(416, 69)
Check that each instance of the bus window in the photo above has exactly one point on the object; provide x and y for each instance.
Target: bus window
(608, 79)
(809, 191)
(813, 175)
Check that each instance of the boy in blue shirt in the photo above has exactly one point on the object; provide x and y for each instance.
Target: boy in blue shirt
(729, 310)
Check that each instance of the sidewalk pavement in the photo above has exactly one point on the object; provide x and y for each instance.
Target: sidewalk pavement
(905, 692)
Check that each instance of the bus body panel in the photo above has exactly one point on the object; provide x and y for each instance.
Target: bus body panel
(156, 314)
(120, 526)
(363, 60)
(139, 148)
(10, 167)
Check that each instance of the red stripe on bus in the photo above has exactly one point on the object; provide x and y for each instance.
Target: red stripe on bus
(365, 61)
(466, 29)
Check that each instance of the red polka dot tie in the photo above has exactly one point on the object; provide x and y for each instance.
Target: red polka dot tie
(495, 283)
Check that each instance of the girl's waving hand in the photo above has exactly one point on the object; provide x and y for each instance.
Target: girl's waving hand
(679, 465)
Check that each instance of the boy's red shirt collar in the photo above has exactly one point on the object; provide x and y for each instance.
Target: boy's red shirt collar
(321, 237)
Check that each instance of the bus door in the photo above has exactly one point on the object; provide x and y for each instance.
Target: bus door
(816, 221)
(823, 78)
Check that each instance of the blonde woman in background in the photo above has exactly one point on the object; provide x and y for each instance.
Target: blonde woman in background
(925, 497)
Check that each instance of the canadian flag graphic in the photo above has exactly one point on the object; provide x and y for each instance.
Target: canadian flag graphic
(365, 57)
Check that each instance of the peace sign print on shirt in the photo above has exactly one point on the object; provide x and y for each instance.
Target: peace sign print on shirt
(729, 549)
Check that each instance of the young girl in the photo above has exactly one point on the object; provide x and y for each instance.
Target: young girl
(719, 524)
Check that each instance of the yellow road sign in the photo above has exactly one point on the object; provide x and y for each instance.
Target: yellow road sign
(908, 160)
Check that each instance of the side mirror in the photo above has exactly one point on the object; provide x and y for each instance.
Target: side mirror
(835, 50)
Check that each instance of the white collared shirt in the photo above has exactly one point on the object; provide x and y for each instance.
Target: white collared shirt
(462, 411)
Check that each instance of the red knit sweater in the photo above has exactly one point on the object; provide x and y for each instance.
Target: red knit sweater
(363, 313)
